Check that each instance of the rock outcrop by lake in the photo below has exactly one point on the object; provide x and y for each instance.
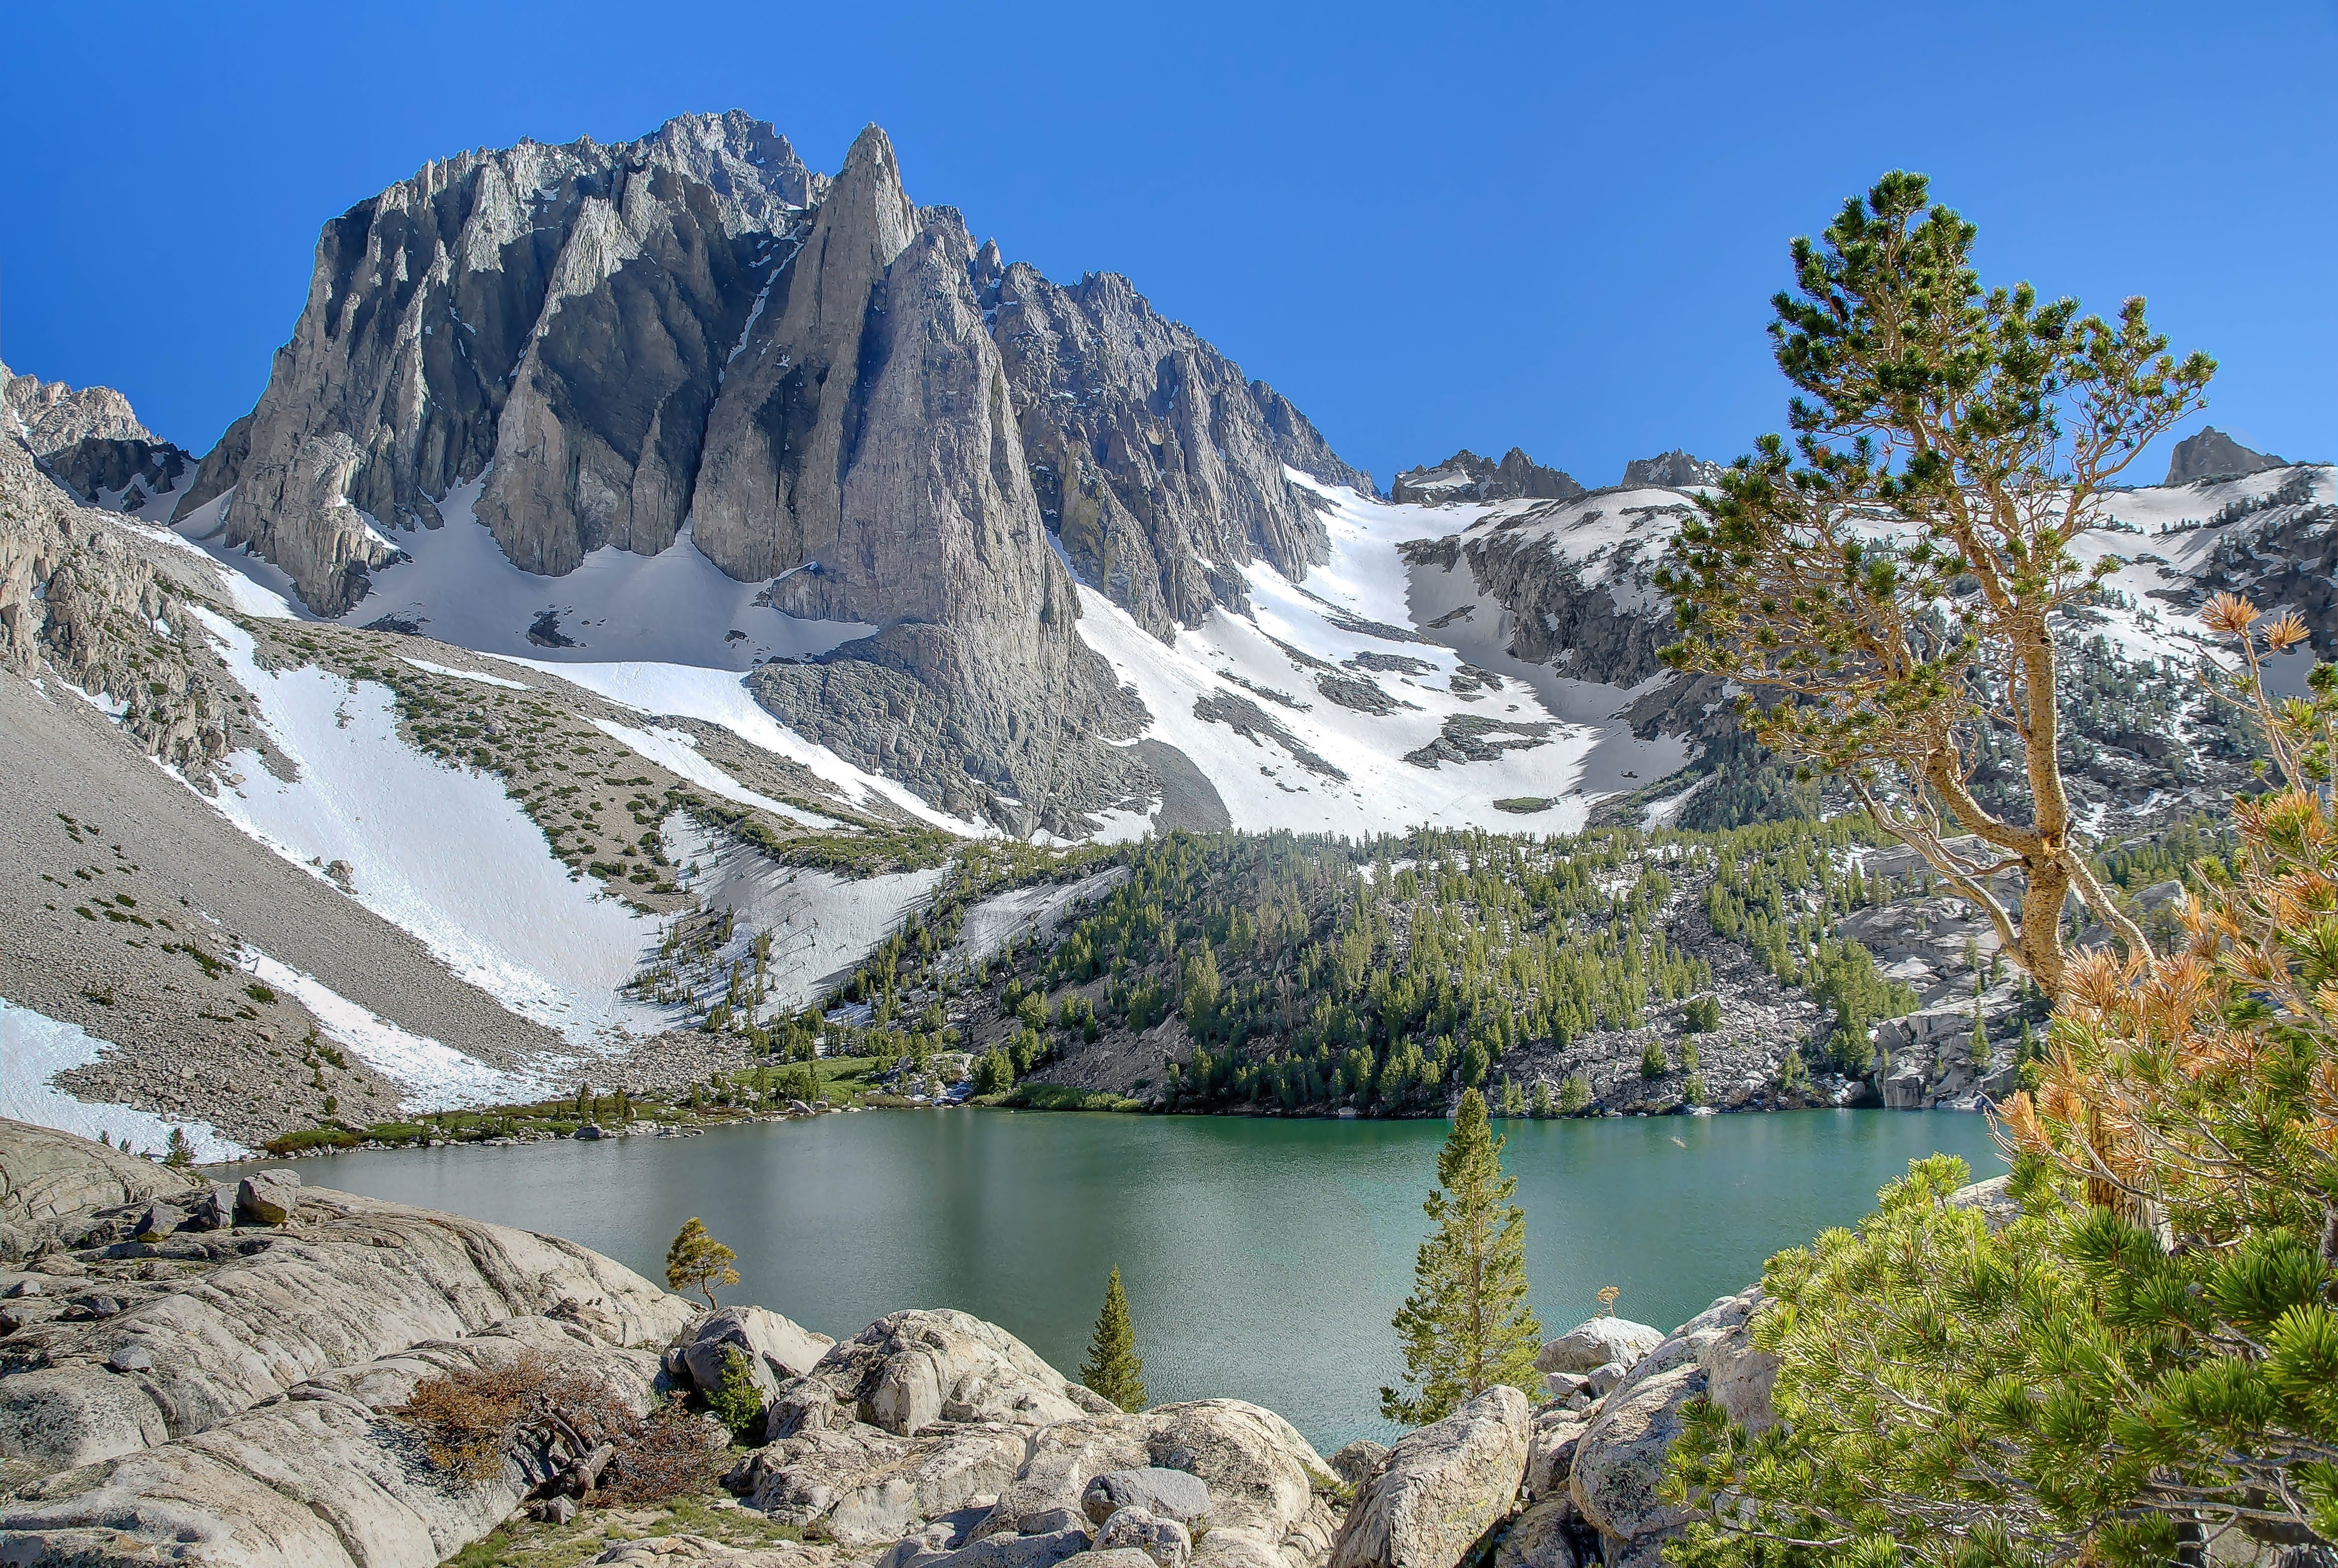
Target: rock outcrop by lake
(202, 1374)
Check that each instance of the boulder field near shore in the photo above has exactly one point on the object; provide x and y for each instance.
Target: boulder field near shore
(193, 1373)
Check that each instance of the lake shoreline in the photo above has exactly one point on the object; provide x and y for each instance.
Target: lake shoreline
(694, 1124)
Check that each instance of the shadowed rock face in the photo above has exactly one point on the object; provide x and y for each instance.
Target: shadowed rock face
(48, 416)
(2212, 454)
(562, 312)
(835, 393)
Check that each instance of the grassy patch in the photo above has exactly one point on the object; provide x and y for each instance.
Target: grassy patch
(1064, 1097)
(312, 1138)
(526, 1545)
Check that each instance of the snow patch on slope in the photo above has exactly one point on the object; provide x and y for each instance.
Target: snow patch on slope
(674, 607)
(678, 753)
(441, 852)
(430, 1076)
(821, 924)
(1351, 610)
(34, 1048)
(720, 697)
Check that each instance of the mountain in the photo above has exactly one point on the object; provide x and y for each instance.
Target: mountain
(1466, 477)
(2212, 454)
(655, 564)
(90, 441)
(1676, 468)
(691, 342)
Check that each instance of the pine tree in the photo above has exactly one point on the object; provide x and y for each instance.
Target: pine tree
(1112, 1367)
(697, 1261)
(1991, 424)
(1467, 1326)
(179, 1153)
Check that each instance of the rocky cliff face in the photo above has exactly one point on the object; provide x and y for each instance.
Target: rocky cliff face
(1674, 468)
(77, 600)
(89, 440)
(561, 313)
(1156, 463)
(49, 415)
(830, 386)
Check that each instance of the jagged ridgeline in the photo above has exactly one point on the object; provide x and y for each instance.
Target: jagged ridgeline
(825, 388)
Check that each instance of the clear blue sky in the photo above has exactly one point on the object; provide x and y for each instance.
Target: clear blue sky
(1431, 226)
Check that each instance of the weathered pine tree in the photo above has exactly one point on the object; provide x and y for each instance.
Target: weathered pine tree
(1112, 1367)
(1892, 586)
(697, 1261)
(1467, 1326)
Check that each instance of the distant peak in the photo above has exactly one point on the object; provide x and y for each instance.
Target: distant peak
(1466, 477)
(1673, 470)
(2212, 454)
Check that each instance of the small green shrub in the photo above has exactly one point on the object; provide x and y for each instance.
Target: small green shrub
(738, 1404)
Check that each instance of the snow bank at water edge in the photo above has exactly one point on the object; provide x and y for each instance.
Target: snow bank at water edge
(34, 1048)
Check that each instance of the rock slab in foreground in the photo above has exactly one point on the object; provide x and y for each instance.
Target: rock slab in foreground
(1619, 1459)
(1440, 1489)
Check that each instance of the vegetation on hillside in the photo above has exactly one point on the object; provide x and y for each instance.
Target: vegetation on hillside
(1308, 972)
(2140, 1362)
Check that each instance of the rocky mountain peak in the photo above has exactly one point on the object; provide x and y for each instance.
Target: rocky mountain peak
(830, 388)
(2212, 454)
(1675, 470)
(1466, 477)
(749, 166)
(88, 440)
(49, 416)
(989, 265)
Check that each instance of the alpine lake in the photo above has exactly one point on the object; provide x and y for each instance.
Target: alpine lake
(1263, 1257)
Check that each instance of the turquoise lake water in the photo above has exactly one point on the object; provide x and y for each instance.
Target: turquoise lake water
(1263, 1257)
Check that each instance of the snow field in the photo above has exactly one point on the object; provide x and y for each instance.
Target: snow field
(430, 1076)
(674, 607)
(441, 852)
(34, 1048)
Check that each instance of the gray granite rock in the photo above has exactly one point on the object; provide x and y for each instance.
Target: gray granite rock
(777, 1350)
(1164, 1540)
(1544, 1536)
(2212, 454)
(1619, 1460)
(1161, 1493)
(1594, 1342)
(1674, 470)
(1355, 1463)
(268, 1196)
(1466, 477)
(1441, 1489)
(45, 1174)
